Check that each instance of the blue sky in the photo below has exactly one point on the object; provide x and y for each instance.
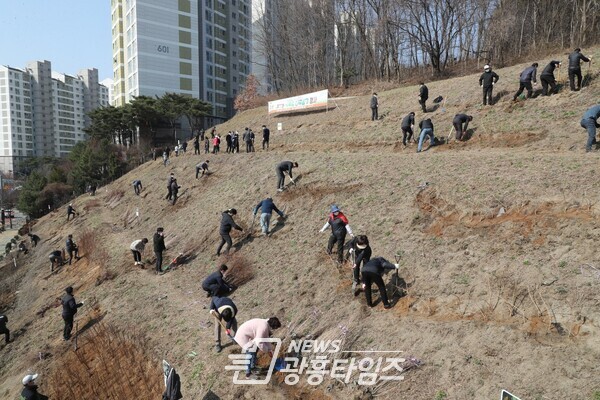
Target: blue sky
(72, 34)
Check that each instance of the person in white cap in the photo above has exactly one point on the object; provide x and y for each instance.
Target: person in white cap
(30, 389)
(487, 80)
(339, 227)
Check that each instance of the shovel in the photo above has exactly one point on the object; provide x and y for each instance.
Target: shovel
(291, 179)
(398, 257)
(215, 314)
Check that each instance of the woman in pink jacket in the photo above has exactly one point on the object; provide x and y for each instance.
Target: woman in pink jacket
(249, 334)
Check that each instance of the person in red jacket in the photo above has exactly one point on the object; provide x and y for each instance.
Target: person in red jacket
(339, 227)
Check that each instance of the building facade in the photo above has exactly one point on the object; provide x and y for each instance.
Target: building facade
(198, 48)
(43, 113)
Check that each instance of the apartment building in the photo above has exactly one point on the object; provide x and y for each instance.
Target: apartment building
(199, 48)
(43, 113)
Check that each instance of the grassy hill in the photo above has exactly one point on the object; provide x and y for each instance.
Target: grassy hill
(499, 257)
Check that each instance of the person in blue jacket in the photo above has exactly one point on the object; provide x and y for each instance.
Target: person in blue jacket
(267, 207)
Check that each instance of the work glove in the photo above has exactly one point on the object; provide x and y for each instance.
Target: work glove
(351, 251)
(480, 85)
(397, 266)
(354, 266)
(321, 230)
(228, 332)
(493, 83)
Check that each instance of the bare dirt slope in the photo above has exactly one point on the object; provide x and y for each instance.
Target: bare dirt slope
(499, 253)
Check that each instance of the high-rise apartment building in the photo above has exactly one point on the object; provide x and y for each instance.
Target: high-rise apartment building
(199, 48)
(43, 113)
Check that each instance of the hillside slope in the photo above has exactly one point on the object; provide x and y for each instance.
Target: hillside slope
(499, 253)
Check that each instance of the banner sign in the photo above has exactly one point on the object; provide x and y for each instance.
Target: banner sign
(303, 102)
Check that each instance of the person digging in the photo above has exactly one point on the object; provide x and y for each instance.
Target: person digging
(56, 258)
(373, 272)
(215, 285)
(267, 207)
(282, 169)
(223, 309)
(137, 248)
(249, 337)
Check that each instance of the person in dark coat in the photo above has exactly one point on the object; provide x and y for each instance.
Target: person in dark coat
(56, 258)
(426, 127)
(229, 149)
(3, 329)
(374, 107)
(461, 123)
(72, 248)
(423, 96)
(68, 312)
(590, 123)
(215, 285)
(407, 127)
(159, 246)
(547, 78)
(339, 227)
(197, 144)
(487, 80)
(266, 135)
(183, 146)
(235, 142)
(202, 167)
(226, 310)
(169, 186)
(267, 206)
(71, 211)
(227, 224)
(527, 76)
(137, 186)
(360, 251)
(34, 239)
(174, 190)
(206, 145)
(373, 272)
(282, 168)
(575, 59)
(252, 138)
(30, 389)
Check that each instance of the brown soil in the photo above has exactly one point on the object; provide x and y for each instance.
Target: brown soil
(482, 289)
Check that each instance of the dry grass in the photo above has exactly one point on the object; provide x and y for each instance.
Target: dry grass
(240, 270)
(458, 252)
(109, 364)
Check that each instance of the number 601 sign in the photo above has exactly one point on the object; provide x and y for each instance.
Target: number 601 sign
(162, 49)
